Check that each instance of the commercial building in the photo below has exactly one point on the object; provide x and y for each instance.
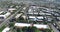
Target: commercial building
(39, 26)
(18, 15)
(1, 12)
(11, 9)
(58, 18)
(4, 15)
(6, 29)
(36, 18)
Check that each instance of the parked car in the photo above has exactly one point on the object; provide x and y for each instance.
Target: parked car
(54, 24)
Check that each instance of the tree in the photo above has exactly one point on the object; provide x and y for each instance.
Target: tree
(30, 29)
(24, 29)
(11, 24)
(18, 30)
(47, 30)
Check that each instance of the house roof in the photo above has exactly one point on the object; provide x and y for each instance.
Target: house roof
(41, 26)
(40, 17)
(1, 12)
(6, 29)
(11, 9)
(32, 17)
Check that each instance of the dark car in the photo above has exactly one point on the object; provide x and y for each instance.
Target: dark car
(54, 24)
(58, 29)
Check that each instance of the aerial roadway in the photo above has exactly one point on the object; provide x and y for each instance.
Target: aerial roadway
(7, 20)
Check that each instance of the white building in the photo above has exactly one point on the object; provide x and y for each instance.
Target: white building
(42, 13)
(7, 14)
(6, 29)
(36, 18)
(30, 13)
(24, 8)
(30, 10)
(11, 9)
(36, 13)
(24, 16)
(39, 26)
(32, 17)
(1, 12)
(22, 25)
(40, 17)
(47, 14)
(4, 16)
(18, 15)
(58, 18)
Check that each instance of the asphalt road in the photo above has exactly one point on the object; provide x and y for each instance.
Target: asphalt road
(54, 29)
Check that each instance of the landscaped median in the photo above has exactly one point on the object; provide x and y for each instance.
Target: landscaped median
(2, 28)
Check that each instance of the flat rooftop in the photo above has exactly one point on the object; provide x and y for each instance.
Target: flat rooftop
(27, 25)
